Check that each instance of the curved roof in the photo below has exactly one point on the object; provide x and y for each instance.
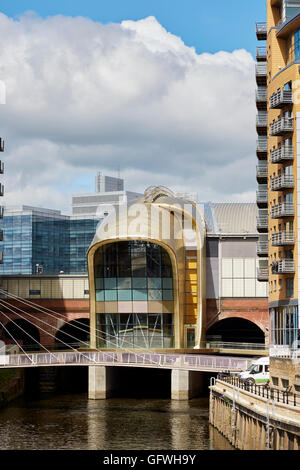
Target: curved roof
(233, 218)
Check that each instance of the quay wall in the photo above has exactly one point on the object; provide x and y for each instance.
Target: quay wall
(11, 385)
(251, 422)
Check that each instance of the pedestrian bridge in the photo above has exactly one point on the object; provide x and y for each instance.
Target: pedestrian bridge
(188, 362)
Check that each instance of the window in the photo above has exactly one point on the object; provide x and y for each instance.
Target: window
(289, 287)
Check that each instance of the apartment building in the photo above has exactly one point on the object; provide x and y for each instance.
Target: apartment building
(278, 172)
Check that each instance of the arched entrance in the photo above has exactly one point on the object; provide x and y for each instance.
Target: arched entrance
(235, 330)
(25, 334)
(74, 334)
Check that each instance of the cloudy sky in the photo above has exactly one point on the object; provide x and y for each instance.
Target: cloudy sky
(84, 95)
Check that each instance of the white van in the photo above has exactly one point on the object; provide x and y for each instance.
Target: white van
(258, 372)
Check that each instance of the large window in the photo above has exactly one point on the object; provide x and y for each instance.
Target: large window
(133, 271)
(132, 275)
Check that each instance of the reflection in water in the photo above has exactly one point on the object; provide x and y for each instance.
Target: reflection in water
(74, 422)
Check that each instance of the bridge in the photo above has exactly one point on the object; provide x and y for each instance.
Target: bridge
(186, 367)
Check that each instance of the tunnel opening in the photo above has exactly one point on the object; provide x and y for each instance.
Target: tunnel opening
(74, 334)
(235, 330)
(22, 332)
(138, 382)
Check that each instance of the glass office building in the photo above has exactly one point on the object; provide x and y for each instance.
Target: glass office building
(44, 241)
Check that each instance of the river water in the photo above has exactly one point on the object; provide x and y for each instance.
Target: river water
(73, 422)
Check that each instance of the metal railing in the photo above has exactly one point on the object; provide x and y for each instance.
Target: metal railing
(283, 266)
(282, 238)
(264, 391)
(237, 345)
(282, 126)
(281, 98)
(262, 171)
(261, 95)
(177, 361)
(261, 53)
(262, 145)
(281, 154)
(1, 145)
(262, 196)
(261, 69)
(282, 182)
(262, 273)
(261, 120)
(282, 210)
(261, 30)
(262, 247)
(262, 222)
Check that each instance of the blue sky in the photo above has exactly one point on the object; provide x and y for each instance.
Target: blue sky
(209, 26)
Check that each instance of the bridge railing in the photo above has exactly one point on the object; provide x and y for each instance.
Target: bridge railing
(188, 361)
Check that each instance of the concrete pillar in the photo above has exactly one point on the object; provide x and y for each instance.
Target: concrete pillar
(98, 386)
(185, 384)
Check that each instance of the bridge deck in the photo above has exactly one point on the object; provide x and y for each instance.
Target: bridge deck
(208, 363)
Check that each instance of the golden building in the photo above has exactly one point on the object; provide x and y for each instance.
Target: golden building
(278, 128)
(147, 274)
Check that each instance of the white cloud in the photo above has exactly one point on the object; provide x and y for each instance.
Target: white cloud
(82, 97)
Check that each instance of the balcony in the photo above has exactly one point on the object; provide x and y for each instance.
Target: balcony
(282, 210)
(283, 266)
(261, 54)
(262, 221)
(262, 173)
(261, 73)
(280, 99)
(282, 154)
(263, 271)
(262, 248)
(1, 212)
(1, 168)
(282, 126)
(262, 123)
(282, 182)
(261, 31)
(1, 189)
(261, 98)
(1, 145)
(262, 196)
(262, 148)
(282, 238)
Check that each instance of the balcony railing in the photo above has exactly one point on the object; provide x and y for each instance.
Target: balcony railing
(282, 126)
(262, 148)
(282, 210)
(282, 182)
(261, 94)
(1, 212)
(262, 248)
(1, 189)
(262, 173)
(282, 238)
(281, 98)
(283, 266)
(262, 120)
(262, 274)
(1, 167)
(261, 31)
(262, 196)
(282, 154)
(261, 72)
(261, 53)
(1, 145)
(262, 223)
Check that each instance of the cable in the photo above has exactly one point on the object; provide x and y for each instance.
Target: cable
(16, 342)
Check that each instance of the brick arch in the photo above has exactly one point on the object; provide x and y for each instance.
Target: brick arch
(73, 331)
(238, 328)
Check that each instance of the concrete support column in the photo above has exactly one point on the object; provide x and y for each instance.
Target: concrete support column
(185, 384)
(98, 386)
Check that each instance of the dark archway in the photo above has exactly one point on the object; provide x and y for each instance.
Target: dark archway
(235, 330)
(24, 332)
(74, 334)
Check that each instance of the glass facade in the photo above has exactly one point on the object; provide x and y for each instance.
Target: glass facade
(285, 326)
(53, 242)
(134, 271)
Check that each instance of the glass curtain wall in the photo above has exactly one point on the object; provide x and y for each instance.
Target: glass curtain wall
(134, 271)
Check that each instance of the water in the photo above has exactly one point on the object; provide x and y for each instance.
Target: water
(72, 422)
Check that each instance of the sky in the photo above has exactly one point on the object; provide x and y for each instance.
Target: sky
(162, 89)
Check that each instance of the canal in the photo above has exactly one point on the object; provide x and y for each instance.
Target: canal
(73, 422)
